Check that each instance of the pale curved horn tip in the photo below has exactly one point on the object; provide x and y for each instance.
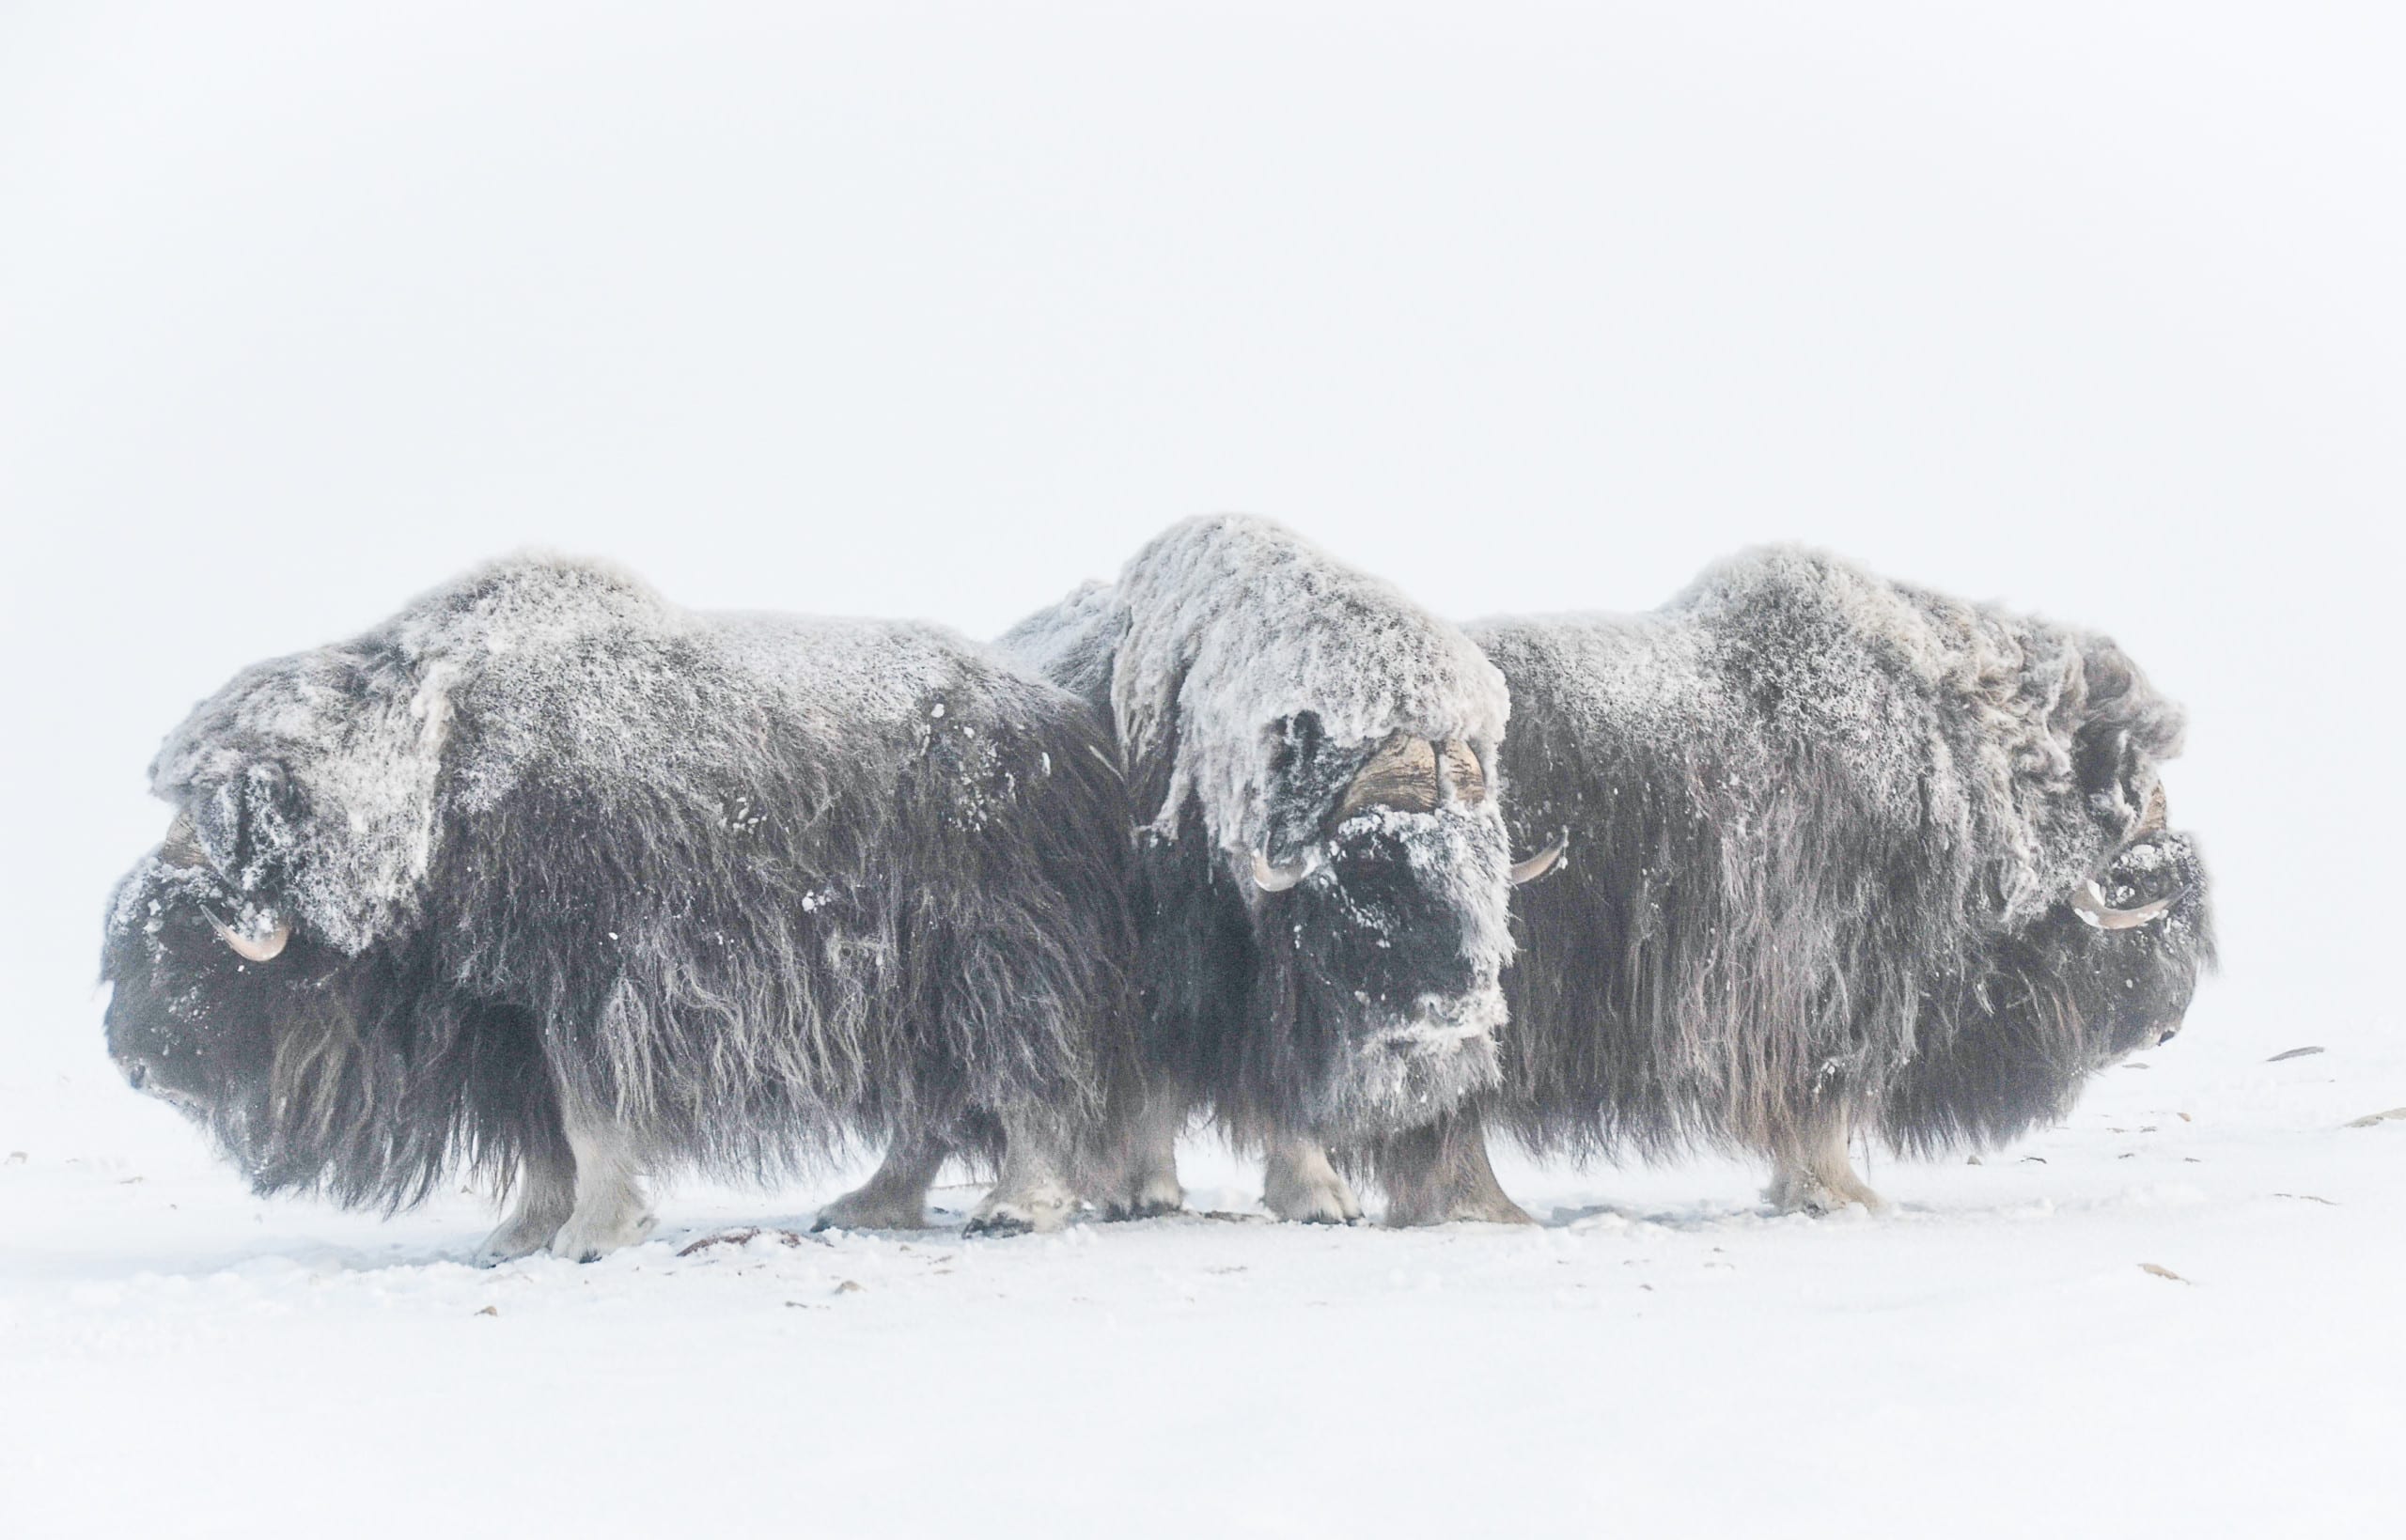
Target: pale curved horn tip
(265, 949)
(1270, 879)
(2088, 902)
(1538, 865)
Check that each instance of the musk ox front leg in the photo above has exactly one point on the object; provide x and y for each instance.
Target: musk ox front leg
(611, 1209)
(896, 1197)
(1813, 1173)
(1299, 1183)
(1144, 1186)
(546, 1193)
(1439, 1173)
(1034, 1192)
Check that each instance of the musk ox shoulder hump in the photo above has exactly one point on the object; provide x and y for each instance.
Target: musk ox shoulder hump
(1073, 643)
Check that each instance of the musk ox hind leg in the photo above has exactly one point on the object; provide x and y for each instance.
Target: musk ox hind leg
(1299, 1183)
(1814, 1173)
(1034, 1192)
(1439, 1173)
(896, 1197)
(611, 1209)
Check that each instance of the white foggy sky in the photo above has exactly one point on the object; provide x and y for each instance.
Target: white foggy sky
(935, 310)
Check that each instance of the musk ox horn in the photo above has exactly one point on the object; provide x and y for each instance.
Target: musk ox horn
(1538, 865)
(2088, 902)
(1270, 879)
(265, 949)
(181, 848)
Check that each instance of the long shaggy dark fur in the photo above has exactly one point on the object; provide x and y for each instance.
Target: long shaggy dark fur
(1250, 677)
(1823, 830)
(750, 889)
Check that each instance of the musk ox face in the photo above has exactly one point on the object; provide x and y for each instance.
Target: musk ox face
(2132, 939)
(2151, 940)
(1380, 906)
(211, 993)
(2106, 974)
(308, 1066)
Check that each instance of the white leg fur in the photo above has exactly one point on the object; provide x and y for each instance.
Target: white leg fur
(546, 1196)
(611, 1209)
(1147, 1186)
(1299, 1184)
(1819, 1178)
(895, 1198)
(1035, 1191)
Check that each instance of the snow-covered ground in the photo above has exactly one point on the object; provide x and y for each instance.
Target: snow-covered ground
(2178, 1313)
(2087, 306)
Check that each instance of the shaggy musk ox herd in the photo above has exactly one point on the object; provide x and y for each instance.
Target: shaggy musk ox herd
(549, 882)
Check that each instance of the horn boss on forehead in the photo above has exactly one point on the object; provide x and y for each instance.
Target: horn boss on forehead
(1401, 775)
(1464, 773)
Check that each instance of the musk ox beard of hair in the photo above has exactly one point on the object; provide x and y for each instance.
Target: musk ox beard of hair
(542, 847)
(1826, 835)
(1282, 713)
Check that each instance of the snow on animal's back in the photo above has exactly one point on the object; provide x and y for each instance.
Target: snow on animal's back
(572, 666)
(1785, 644)
(1640, 674)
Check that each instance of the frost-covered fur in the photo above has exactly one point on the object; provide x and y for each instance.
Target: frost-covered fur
(577, 879)
(1250, 677)
(1823, 829)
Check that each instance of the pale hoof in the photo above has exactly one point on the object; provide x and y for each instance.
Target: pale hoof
(1498, 1210)
(1022, 1213)
(1155, 1196)
(1318, 1197)
(862, 1211)
(520, 1236)
(583, 1239)
(1804, 1192)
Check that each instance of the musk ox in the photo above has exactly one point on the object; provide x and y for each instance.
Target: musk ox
(549, 880)
(1846, 860)
(1322, 879)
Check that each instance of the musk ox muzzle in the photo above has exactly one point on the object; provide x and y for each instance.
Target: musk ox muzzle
(1386, 938)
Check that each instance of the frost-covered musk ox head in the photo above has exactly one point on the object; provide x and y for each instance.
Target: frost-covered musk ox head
(742, 885)
(1323, 879)
(1843, 853)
